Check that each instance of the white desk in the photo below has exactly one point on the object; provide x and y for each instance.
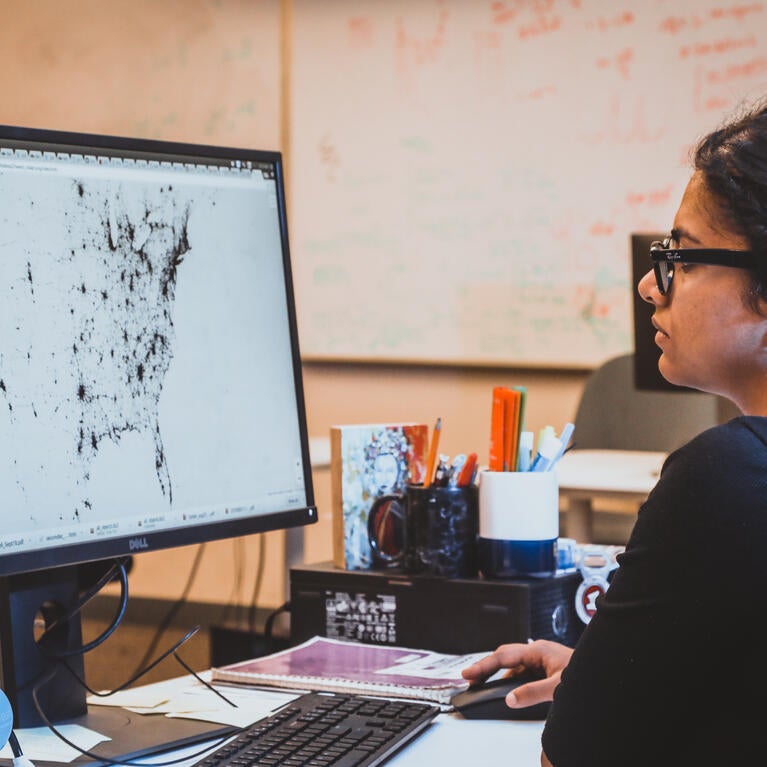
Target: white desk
(585, 474)
(455, 742)
(450, 741)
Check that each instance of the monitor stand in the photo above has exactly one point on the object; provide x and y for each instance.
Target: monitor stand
(25, 600)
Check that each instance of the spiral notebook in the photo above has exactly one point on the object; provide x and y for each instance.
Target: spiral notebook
(334, 665)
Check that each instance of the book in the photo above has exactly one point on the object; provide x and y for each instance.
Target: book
(366, 462)
(336, 665)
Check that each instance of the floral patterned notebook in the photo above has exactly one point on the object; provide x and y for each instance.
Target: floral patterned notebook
(366, 462)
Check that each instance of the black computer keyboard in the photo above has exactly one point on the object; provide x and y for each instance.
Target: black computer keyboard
(326, 730)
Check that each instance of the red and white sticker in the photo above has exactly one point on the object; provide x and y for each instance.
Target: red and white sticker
(595, 566)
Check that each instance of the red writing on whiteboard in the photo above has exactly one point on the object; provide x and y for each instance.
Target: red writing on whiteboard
(329, 158)
(601, 229)
(604, 23)
(543, 25)
(717, 46)
(738, 12)
(653, 197)
(621, 61)
(361, 31)
(674, 24)
(421, 50)
(507, 11)
(502, 12)
(757, 66)
(541, 92)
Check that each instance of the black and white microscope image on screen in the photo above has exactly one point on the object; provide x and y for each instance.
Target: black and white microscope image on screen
(133, 311)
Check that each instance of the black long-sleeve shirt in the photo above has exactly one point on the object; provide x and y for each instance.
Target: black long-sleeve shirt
(672, 669)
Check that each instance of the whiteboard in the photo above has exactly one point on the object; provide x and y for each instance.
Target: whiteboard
(465, 175)
(204, 71)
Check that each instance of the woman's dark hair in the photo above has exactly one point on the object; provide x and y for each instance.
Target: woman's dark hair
(733, 161)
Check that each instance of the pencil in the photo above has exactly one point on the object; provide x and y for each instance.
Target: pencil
(432, 460)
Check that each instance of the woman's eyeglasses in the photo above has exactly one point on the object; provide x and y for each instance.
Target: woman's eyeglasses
(664, 257)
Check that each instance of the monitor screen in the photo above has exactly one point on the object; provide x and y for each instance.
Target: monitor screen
(150, 379)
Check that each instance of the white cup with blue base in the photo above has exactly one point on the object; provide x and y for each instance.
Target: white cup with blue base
(518, 524)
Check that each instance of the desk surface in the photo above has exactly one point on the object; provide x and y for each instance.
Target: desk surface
(451, 741)
(612, 472)
(627, 475)
(454, 741)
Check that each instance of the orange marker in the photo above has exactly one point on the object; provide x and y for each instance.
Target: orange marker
(432, 460)
(497, 429)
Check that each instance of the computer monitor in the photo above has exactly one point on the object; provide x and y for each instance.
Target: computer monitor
(150, 377)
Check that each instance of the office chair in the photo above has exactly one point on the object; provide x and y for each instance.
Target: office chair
(614, 415)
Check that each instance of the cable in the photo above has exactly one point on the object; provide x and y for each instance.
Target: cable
(107, 760)
(61, 655)
(203, 682)
(232, 603)
(257, 583)
(135, 676)
(19, 759)
(235, 605)
(118, 566)
(165, 623)
(283, 608)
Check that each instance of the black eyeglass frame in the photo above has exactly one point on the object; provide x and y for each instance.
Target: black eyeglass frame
(664, 257)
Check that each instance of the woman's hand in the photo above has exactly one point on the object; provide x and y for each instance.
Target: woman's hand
(541, 657)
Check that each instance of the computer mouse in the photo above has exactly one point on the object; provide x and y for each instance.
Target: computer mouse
(487, 701)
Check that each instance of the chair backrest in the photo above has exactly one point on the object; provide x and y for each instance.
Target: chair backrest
(614, 414)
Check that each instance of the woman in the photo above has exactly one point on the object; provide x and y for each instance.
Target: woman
(670, 670)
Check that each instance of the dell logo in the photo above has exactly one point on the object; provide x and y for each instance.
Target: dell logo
(134, 544)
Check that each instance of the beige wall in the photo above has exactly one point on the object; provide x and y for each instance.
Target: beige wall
(358, 394)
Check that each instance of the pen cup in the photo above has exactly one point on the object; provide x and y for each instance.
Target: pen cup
(518, 524)
(430, 530)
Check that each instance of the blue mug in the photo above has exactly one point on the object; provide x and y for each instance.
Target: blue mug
(430, 530)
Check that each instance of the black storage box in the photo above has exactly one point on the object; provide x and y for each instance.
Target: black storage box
(424, 612)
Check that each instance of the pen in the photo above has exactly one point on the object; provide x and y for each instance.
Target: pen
(432, 460)
(455, 469)
(564, 437)
(467, 470)
(525, 451)
(442, 474)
